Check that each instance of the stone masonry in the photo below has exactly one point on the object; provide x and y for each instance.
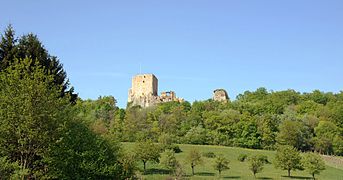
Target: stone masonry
(220, 95)
(144, 92)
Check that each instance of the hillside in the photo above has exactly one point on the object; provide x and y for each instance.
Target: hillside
(238, 170)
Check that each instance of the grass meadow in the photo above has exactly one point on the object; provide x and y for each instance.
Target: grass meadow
(238, 170)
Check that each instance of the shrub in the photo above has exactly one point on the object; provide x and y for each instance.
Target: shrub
(209, 154)
(175, 148)
(263, 158)
(242, 157)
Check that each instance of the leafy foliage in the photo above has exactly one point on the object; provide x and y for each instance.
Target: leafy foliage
(255, 164)
(258, 120)
(147, 151)
(29, 46)
(31, 114)
(169, 161)
(194, 158)
(242, 157)
(313, 163)
(209, 154)
(81, 154)
(221, 164)
(288, 158)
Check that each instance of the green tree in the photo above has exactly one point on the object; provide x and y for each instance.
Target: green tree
(221, 164)
(8, 49)
(313, 163)
(31, 114)
(196, 135)
(338, 145)
(81, 154)
(326, 129)
(288, 158)
(128, 163)
(147, 151)
(169, 160)
(194, 158)
(325, 133)
(294, 133)
(29, 46)
(255, 164)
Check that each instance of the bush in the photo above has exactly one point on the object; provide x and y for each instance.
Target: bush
(263, 158)
(175, 148)
(209, 154)
(242, 157)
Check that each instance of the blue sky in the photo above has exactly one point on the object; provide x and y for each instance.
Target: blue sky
(192, 46)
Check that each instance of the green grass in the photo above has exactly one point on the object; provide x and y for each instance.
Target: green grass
(238, 170)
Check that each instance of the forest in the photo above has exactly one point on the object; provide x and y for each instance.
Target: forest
(48, 132)
(259, 120)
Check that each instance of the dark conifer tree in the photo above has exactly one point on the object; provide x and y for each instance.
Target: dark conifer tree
(8, 47)
(29, 46)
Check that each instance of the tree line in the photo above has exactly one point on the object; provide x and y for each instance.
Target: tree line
(259, 119)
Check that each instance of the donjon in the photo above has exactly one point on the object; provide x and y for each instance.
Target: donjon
(144, 92)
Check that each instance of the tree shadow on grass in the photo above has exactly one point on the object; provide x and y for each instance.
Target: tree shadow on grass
(232, 177)
(266, 178)
(297, 177)
(156, 171)
(204, 174)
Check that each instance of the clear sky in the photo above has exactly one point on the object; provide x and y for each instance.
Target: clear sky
(192, 46)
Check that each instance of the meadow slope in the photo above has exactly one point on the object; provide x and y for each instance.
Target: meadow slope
(238, 170)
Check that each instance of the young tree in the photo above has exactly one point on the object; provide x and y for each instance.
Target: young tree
(147, 151)
(221, 164)
(288, 158)
(255, 164)
(313, 163)
(169, 160)
(31, 114)
(194, 158)
(128, 163)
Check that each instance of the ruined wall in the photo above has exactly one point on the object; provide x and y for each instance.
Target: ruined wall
(220, 95)
(144, 91)
(169, 96)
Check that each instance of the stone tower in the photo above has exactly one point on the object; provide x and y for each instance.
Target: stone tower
(144, 90)
(220, 95)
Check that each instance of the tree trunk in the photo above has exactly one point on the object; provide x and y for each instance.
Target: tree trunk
(289, 173)
(144, 163)
(313, 176)
(220, 173)
(193, 170)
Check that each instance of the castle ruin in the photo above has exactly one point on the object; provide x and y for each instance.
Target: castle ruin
(220, 95)
(144, 92)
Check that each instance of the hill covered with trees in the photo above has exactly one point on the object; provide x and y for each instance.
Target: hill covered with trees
(259, 120)
(47, 132)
